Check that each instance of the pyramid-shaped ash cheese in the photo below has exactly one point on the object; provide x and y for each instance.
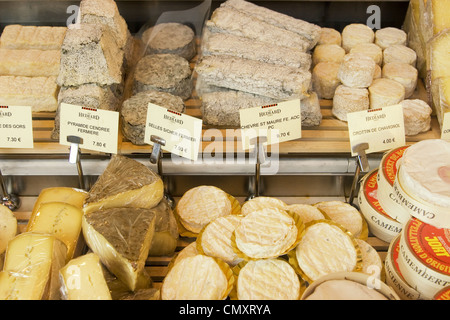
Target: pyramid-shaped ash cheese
(125, 183)
(121, 237)
(90, 54)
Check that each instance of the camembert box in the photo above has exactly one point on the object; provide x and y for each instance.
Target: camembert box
(424, 259)
(387, 173)
(394, 277)
(381, 225)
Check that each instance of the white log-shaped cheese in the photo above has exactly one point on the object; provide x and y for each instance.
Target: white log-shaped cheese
(82, 279)
(121, 237)
(356, 33)
(403, 73)
(390, 36)
(325, 79)
(416, 115)
(400, 53)
(32, 263)
(357, 70)
(328, 53)
(125, 183)
(385, 92)
(348, 99)
(60, 219)
(8, 227)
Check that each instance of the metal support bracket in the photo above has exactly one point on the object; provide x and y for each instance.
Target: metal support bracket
(362, 165)
(10, 201)
(260, 155)
(156, 158)
(74, 157)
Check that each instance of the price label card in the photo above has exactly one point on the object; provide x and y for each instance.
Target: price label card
(279, 122)
(16, 127)
(98, 128)
(182, 133)
(382, 128)
(446, 127)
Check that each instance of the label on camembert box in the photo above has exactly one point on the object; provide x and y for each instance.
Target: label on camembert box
(380, 223)
(385, 179)
(424, 259)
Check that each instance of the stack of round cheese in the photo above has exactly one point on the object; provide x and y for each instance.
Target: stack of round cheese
(422, 187)
(267, 243)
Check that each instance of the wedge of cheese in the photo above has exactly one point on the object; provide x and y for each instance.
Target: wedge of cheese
(8, 227)
(125, 183)
(62, 220)
(82, 279)
(73, 196)
(165, 238)
(438, 62)
(32, 262)
(437, 12)
(29, 63)
(440, 89)
(121, 237)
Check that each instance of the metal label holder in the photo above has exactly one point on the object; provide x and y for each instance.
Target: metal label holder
(260, 155)
(11, 201)
(74, 157)
(156, 158)
(362, 165)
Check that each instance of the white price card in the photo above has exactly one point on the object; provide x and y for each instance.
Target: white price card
(279, 122)
(382, 128)
(446, 127)
(182, 133)
(16, 127)
(98, 129)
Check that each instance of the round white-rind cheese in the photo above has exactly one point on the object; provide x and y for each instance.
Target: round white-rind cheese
(403, 73)
(356, 33)
(348, 100)
(306, 212)
(400, 53)
(324, 249)
(357, 70)
(325, 79)
(201, 205)
(268, 279)
(327, 53)
(385, 92)
(266, 233)
(344, 290)
(262, 202)
(371, 50)
(390, 36)
(416, 115)
(330, 36)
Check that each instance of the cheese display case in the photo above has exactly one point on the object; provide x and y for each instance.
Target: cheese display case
(149, 222)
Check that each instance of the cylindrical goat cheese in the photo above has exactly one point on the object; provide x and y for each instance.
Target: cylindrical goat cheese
(348, 99)
(325, 79)
(356, 33)
(390, 36)
(400, 53)
(385, 92)
(357, 70)
(403, 73)
(328, 53)
(416, 115)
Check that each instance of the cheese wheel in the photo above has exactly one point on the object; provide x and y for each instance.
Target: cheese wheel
(256, 276)
(266, 233)
(215, 239)
(330, 36)
(306, 212)
(195, 278)
(370, 50)
(400, 53)
(8, 227)
(344, 290)
(328, 52)
(259, 203)
(188, 251)
(356, 70)
(371, 260)
(325, 248)
(325, 79)
(404, 74)
(390, 36)
(417, 116)
(348, 99)
(385, 92)
(344, 214)
(201, 205)
(356, 33)
(377, 73)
